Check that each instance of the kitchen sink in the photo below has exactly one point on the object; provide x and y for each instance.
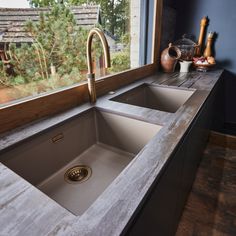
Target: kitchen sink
(155, 97)
(75, 162)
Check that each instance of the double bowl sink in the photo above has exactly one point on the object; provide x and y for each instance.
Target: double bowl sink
(76, 161)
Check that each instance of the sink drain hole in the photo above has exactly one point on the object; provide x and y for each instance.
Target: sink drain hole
(78, 174)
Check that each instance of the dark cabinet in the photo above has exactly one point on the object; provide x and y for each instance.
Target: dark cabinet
(159, 210)
(162, 210)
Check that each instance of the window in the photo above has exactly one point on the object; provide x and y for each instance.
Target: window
(43, 51)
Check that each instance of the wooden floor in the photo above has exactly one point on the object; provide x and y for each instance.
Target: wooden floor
(211, 206)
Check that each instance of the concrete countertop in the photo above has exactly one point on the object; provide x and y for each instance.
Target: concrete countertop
(25, 210)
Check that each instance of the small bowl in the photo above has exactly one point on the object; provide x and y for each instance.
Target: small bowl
(203, 67)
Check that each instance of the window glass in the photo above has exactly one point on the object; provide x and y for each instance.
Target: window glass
(43, 43)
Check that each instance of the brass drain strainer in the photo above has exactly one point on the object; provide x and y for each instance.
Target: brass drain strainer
(78, 174)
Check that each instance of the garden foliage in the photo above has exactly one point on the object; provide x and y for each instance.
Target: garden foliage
(58, 48)
(56, 57)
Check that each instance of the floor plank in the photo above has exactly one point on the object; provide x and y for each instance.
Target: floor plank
(211, 206)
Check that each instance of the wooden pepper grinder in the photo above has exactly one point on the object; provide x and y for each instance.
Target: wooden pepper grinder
(203, 25)
(208, 50)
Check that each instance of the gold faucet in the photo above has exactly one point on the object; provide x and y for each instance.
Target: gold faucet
(91, 74)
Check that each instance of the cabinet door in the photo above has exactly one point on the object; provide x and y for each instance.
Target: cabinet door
(162, 211)
(195, 143)
(157, 216)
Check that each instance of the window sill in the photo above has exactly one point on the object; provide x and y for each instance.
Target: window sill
(27, 110)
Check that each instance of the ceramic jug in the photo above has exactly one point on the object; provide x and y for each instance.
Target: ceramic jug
(169, 58)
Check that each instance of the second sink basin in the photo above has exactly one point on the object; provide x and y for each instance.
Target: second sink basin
(155, 97)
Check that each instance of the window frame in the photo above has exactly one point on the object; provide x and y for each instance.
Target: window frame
(27, 110)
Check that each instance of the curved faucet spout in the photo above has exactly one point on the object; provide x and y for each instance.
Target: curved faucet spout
(100, 34)
(91, 74)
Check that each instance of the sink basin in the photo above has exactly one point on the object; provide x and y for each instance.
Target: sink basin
(155, 97)
(76, 161)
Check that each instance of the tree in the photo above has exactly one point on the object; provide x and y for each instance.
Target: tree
(49, 3)
(57, 43)
(115, 13)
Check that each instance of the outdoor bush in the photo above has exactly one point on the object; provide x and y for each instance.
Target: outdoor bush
(120, 61)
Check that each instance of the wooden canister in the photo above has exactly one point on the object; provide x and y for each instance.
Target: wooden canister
(203, 24)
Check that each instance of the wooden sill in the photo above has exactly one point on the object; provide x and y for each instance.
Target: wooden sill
(24, 112)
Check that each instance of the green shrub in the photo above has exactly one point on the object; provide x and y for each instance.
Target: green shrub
(18, 80)
(120, 61)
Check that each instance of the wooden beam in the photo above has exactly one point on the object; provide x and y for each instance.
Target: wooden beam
(157, 33)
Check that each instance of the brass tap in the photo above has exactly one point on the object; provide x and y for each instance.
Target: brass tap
(91, 74)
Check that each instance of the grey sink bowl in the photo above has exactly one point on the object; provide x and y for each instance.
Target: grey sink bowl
(155, 97)
(103, 142)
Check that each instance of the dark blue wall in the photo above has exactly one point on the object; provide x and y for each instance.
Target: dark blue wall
(170, 3)
(222, 15)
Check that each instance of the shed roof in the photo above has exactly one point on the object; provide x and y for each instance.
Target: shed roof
(12, 20)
